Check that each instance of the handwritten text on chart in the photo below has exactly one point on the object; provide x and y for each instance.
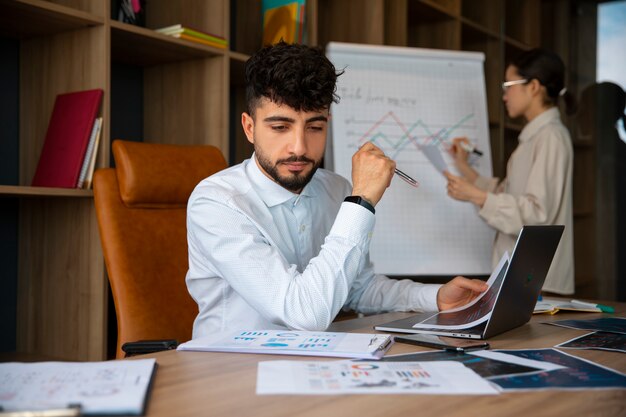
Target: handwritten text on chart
(367, 97)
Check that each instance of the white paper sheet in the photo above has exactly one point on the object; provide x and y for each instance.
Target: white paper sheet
(553, 306)
(432, 153)
(345, 377)
(113, 387)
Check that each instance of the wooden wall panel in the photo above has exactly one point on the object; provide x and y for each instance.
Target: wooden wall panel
(186, 103)
(61, 290)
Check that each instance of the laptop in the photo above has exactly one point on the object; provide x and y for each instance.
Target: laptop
(513, 294)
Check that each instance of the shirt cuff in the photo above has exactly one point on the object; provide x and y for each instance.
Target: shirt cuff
(354, 222)
(490, 208)
(424, 297)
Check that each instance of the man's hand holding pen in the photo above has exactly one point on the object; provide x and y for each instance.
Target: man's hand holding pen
(370, 169)
(371, 173)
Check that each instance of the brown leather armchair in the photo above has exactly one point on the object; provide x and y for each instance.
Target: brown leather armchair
(141, 207)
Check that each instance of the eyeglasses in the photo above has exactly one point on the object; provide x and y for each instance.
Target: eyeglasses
(507, 84)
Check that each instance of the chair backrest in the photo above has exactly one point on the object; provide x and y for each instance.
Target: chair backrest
(141, 207)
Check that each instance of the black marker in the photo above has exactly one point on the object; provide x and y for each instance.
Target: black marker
(470, 148)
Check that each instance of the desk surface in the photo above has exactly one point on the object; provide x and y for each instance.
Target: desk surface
(224, 384)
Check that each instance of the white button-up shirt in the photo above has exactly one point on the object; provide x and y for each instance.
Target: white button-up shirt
(262, 257)
(537, 190)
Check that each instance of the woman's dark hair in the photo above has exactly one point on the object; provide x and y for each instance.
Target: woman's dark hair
(299, 76)
(547, 68)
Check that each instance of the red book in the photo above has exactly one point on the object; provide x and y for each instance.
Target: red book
(67, 138)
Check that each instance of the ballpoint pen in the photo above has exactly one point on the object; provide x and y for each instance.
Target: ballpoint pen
(406, 178)
(467, 349)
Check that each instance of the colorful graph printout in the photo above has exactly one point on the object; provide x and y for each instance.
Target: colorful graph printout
(598, 340)
(577, 374)
(290, 342)
(345, 377)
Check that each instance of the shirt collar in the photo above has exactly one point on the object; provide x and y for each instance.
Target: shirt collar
(270, 192)
(538, 123)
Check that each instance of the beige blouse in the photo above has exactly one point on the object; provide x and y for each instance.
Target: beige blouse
(537, 190)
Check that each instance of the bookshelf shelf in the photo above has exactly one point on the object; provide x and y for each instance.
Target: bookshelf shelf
(479, 29)
(144, 47)
(516, 45)
(24, 19)
(26, 191)
(485, 13)
(237, 56)
(451, 8)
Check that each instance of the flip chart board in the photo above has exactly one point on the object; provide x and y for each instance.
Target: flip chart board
(404, 99)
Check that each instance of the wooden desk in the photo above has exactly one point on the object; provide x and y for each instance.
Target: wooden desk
(224, 384)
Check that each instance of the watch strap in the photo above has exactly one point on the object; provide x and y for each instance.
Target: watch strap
(357, 199)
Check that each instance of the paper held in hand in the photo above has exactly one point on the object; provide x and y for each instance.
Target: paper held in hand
(295, 342)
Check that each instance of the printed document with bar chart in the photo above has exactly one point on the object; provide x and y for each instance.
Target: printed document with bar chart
(411, 103)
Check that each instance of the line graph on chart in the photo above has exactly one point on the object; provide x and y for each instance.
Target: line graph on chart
(404, 142)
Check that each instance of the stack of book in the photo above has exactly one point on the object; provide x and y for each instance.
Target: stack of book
(194, 35)
(68, 156)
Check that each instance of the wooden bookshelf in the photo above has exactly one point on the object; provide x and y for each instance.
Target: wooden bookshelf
(26, 191)
(164, 90)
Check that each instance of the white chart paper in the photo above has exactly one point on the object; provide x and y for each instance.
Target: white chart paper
(403, 99)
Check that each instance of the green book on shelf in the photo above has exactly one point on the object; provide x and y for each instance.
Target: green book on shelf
(182, 30)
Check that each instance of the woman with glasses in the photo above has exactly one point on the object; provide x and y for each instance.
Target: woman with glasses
(538, 187)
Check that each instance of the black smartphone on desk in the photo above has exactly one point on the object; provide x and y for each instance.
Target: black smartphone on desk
(442, 342)
(141, 347)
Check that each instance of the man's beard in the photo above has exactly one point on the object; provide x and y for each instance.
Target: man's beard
(293, 182)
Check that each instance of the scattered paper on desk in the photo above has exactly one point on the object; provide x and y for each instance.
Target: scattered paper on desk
(576, 373)
(474, 313)
(598, 340)
(113, 387)
(487, 367)
(347, 377)
(551, 306)
(504, 357)
(603, 324)
(294, 342)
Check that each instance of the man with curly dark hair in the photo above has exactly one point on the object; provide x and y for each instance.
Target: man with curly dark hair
(276, 242)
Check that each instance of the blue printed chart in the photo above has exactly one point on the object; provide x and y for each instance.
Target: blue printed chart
(403, 100)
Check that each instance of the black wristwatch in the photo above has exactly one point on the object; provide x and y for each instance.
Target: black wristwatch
(357, 199)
